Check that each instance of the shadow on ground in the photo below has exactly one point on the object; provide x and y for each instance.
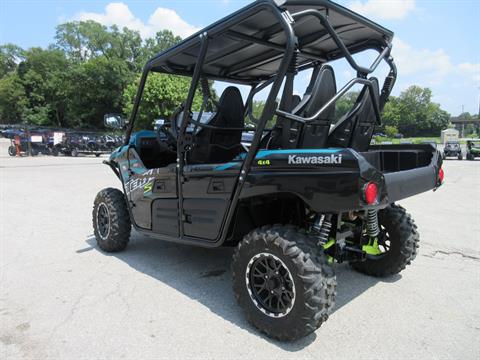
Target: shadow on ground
(204, 275)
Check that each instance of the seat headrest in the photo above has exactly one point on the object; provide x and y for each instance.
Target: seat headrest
(364, 95)
(231, 97)
(230, 109)
(324, 88)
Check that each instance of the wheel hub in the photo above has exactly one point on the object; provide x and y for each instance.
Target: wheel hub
(270, 285)
(103, 221)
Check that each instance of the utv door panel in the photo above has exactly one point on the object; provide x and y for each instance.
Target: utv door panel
(165, 216)
(203, 217)
(206, 196)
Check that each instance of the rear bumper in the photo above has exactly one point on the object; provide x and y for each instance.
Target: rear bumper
(403, 184)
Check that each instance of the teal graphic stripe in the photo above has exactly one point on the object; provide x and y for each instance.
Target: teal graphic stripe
(264, 153)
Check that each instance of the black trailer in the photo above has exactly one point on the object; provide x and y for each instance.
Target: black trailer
(76, 142)
(293, 199)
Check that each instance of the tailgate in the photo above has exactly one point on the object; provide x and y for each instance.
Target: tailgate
(407, 169)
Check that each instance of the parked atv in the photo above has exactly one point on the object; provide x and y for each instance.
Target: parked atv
(473, 149)
(294, 199)
(452, 149)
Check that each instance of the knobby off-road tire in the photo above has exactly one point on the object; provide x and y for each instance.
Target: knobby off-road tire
(12, 150)
(313, 281)
(111, 220)
(404, 242)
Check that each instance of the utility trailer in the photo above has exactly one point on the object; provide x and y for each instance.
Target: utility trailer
(294, 199)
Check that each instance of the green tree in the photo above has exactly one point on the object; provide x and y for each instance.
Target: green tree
(96, 88)
(10, 56)
(390, 131)
(85, 40)
(163, 93)
(414, 114)
(13, 100)
(162, 41)
(42, 74)
(345, 103)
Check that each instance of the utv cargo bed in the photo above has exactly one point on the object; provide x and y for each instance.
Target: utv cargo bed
(408, 169)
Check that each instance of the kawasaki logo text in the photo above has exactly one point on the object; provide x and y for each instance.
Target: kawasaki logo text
(315, 160)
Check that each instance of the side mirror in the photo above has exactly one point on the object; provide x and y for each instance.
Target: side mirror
(114, 121)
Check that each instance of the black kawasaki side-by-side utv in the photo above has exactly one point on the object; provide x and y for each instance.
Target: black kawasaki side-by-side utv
(308, 192)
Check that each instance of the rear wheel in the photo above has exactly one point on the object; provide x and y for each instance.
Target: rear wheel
(12, 150)
(282, 282)
(111, 220)
(396, 246)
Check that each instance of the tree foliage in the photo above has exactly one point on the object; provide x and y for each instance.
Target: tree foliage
(162, 94)
(414, 114)
(79, 78)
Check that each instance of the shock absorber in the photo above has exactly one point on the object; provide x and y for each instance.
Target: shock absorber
(322, 227)
(372, 223)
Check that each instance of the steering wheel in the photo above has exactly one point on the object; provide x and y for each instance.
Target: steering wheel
(167, 143)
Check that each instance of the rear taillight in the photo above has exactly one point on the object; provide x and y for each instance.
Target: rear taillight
(441, 175)
(370, 193)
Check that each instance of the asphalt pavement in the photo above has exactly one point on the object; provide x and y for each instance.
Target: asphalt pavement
(62, 298)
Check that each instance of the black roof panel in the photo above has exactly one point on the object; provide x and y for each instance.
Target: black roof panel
(232, 56)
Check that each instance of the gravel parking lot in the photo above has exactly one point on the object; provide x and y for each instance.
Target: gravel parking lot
(62, 298)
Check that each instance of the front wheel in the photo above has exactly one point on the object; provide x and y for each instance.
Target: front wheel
(74, 152)
(282, 282)
(396, 245)
(460, 157)
(111, 220)
(12, 150)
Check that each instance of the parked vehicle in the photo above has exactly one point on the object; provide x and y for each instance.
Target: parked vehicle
(473, 149)
(32, 143)
(305, 194)
(452, 149)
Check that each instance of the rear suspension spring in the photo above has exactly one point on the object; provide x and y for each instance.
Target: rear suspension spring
(372, 223)
(322, 227)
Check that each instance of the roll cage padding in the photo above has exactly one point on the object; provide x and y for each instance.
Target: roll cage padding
(355, 129)
(223, 144)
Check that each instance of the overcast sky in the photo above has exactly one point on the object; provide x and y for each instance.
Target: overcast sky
(436, 44)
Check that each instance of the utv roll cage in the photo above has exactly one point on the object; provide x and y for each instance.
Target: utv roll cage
(267, 43)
